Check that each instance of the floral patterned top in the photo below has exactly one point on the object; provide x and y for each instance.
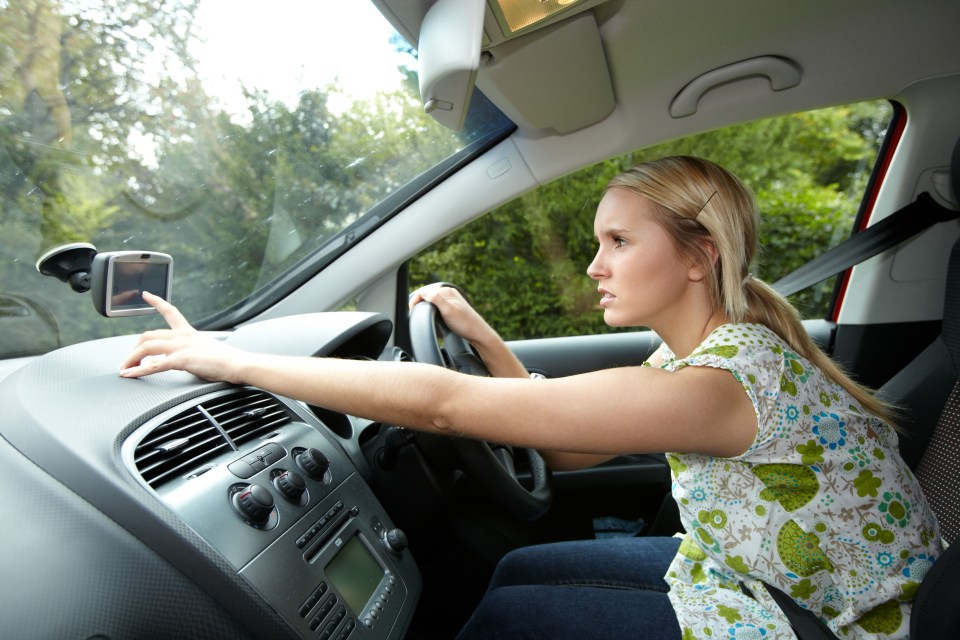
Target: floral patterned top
(821, 506)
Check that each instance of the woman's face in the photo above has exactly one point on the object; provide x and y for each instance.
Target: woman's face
(641, 278)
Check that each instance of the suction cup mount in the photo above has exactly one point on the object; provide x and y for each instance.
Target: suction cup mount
(70, 263)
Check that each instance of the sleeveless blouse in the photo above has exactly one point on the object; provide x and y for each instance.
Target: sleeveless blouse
(821, 506)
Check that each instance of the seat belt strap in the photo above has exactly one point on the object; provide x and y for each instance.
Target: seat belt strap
(805, 624)
(917, 216)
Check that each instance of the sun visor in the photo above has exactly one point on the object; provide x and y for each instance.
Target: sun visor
(449, 55)
(553, 78)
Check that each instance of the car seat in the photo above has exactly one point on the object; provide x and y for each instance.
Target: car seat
(929, 389)
(935, 611)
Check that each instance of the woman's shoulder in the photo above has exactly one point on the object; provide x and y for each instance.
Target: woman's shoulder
(753, 353)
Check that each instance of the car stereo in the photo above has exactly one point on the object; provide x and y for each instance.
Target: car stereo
(336, 571)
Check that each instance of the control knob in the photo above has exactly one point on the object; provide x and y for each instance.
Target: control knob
(254, 503)
(395, 540)
(313, 462)
(291, 484)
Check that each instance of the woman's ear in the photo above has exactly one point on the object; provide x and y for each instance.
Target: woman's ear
(708, 256)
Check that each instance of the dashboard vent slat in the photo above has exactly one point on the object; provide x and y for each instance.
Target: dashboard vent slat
(168, 468)
(248, 416)
(177, 445)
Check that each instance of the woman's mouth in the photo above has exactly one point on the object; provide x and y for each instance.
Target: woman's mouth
(605, 297)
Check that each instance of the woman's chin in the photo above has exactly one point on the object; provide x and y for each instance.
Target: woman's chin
(611, 319)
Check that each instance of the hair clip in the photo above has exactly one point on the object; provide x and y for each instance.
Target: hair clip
(705, 203)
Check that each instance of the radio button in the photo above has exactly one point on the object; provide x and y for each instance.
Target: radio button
(347, 629)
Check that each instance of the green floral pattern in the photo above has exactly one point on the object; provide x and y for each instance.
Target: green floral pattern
(820, 506)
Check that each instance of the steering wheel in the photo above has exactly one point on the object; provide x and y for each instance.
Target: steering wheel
(492, 466)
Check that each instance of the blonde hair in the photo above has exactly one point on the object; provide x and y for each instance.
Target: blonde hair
(697, 200)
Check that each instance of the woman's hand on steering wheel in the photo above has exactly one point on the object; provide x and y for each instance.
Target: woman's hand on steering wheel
(461, 319)
(457, 313)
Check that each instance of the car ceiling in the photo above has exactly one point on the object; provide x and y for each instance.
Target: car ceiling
(847, 51)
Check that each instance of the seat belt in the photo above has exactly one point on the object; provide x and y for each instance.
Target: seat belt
(922, 213)
(805, 624)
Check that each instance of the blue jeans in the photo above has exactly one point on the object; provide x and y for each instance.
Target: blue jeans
(609, 589)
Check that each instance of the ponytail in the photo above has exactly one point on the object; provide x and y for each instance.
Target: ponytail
(767, 307)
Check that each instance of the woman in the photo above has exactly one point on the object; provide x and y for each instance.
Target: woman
(786, 472)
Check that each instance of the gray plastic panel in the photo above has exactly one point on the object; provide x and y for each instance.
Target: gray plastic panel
(71, 572)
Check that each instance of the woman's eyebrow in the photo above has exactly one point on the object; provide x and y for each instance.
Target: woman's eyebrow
(612, 231)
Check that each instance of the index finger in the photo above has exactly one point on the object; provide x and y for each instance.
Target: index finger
(170, 313)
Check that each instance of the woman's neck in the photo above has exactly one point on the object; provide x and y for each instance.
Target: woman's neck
(685, 334)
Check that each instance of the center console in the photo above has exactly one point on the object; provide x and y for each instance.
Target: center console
(286, 508)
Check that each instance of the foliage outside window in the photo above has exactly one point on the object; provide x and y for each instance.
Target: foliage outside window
(524, 264)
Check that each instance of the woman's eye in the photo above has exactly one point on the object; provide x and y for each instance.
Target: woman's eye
(618, 242)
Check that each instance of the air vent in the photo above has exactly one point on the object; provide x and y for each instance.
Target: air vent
(247, 415)
(203, 432)
(178, 446)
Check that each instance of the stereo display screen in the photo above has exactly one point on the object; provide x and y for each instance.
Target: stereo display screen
(355, 573)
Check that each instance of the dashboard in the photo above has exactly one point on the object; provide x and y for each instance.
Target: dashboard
(176, 507)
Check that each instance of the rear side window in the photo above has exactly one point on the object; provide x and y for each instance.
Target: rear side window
(524, 264)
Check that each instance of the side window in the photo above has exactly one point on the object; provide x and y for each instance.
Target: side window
(524, 263)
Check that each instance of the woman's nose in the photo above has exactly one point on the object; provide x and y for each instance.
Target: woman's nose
(595, 269)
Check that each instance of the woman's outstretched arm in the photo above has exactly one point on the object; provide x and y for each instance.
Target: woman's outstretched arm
(625, 410)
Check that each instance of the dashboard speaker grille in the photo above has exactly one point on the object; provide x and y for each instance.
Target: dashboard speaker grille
(202, 432)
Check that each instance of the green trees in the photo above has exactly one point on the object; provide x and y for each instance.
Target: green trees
(809, 171)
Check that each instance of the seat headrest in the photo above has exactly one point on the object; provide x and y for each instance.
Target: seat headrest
(955, 170)
(951, 307)
(950, 330)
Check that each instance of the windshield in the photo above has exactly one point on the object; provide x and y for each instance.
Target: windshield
(251, 141)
